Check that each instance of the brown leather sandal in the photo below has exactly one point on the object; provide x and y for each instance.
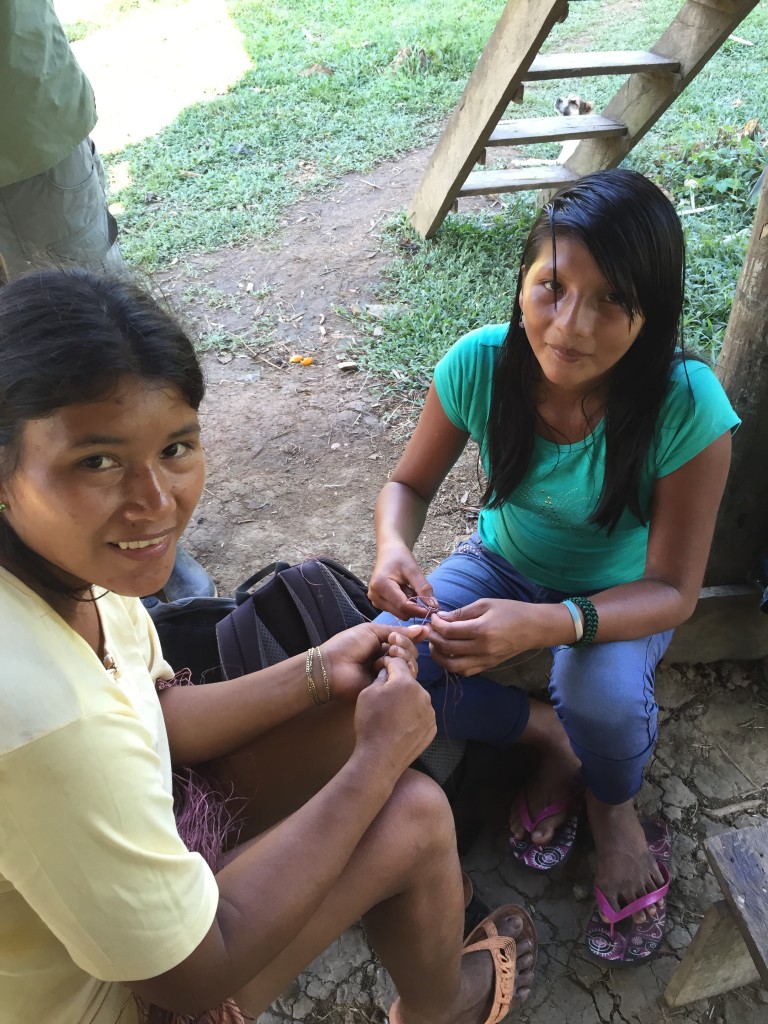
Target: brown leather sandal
(503, 949)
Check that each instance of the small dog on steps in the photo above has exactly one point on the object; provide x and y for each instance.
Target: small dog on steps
(571, 106)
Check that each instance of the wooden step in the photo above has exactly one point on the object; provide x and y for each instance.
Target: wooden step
(739, 862)
(607, 62)
(483, 183)
(553, 129)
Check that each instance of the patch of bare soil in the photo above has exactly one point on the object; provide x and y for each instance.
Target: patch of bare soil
(298, 453)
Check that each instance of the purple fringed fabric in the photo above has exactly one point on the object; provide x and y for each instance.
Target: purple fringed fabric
(206, 820)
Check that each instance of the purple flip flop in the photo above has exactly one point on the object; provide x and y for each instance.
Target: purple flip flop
(545, 857)
(633, 944)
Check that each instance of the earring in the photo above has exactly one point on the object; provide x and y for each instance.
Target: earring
(522, 322)
(3, 507)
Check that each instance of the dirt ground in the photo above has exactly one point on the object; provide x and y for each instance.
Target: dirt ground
(297, 455)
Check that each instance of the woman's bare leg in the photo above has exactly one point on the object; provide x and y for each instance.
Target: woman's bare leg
(284, 767)
(626, 868)
(555, 776)
(404, 877)
(404, 880)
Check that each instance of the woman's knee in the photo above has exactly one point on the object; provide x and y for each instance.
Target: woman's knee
(604, 698)
(419, 818)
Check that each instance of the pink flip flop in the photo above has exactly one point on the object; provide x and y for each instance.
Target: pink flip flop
(633, 944)
(546, 856)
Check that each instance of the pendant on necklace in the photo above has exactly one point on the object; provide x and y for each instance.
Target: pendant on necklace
(109, 664)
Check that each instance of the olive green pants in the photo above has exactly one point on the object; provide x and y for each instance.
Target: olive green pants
(60, 217)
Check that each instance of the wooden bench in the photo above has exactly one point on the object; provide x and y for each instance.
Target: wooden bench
(730, 948)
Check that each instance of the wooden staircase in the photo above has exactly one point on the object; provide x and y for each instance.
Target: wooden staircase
(511, 58)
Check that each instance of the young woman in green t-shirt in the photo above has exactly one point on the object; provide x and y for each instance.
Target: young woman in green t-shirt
(606, 456)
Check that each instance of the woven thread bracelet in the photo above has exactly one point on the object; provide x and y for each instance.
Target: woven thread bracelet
(310, 680)
(590, 620)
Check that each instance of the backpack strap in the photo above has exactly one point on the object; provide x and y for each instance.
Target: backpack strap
(319, 599)
(243, 591)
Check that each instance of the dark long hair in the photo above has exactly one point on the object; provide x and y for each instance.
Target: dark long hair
(633, 234)
(67, 337)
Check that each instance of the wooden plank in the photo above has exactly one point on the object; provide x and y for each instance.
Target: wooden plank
(601, 62)
(716, 961)
(727, 624)
(696, 33)
(516, 40)
(741, 532)
(482, 183)
(739, 861)
(526, 130)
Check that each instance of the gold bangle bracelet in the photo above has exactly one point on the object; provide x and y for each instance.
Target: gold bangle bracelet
(326, 680)
(310, 680)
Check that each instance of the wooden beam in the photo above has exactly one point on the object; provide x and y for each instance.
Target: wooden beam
(698, 30)
(741, 532)
(514, 179)
(716, 961)
(726, 625)
(516, 40)
(739, 861)
(526, 130)
(549, 66)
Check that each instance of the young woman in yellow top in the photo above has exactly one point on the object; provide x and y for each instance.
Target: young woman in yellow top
(104, 912)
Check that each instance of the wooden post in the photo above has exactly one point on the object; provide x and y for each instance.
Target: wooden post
(716, 961)
(742, 525)
(521, 29)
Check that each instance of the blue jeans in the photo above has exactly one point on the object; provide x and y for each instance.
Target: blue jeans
(602, 694)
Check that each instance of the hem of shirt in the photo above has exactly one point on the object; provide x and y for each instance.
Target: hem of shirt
(33, 169)
(171, 955)
(523, 566)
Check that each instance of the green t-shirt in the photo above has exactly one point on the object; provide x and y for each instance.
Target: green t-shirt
(543, 528)
(46, 102)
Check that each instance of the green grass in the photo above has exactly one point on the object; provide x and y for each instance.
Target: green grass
(225, 170)
(465, 276)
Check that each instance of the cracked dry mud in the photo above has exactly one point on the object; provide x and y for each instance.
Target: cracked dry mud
(297, 455)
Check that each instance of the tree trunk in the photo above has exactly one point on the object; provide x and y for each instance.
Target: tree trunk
(741, 533)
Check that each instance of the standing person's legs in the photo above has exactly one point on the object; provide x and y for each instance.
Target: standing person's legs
(60, 217)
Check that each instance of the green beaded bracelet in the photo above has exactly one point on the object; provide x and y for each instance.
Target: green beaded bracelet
(590, 620)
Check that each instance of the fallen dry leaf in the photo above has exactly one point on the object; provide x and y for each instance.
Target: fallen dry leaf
(317, 69)
(750, 128)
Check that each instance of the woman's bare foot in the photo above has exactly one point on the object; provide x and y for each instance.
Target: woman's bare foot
(478, 979)
(554, 779)
(626, 869)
